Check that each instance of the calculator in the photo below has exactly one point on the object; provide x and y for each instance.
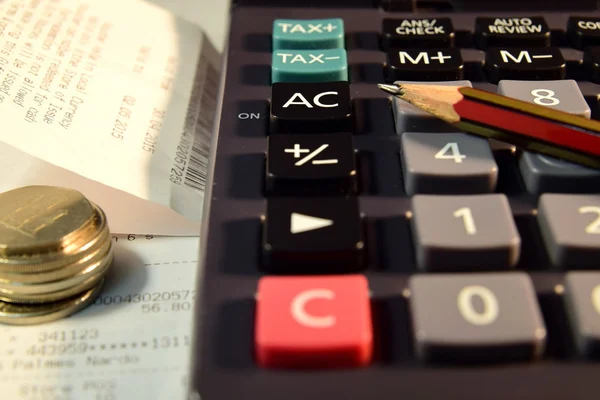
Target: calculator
(354, 247)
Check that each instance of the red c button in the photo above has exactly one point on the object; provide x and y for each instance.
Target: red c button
(313, 322)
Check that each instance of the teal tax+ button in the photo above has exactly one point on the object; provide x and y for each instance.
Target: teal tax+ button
(302, 34)
(309, 66)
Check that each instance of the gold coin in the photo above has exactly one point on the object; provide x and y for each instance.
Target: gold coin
(99, 251)
(36, 219)
(97, 268)
(54, 296)
(27, 314)
(93, 235)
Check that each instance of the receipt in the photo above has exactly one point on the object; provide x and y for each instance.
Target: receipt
(132, 343)
(122, 93)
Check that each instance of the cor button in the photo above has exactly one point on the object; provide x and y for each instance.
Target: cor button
(313, 322)
(583, 31)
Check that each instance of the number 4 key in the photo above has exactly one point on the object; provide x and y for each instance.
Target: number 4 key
(447, 163)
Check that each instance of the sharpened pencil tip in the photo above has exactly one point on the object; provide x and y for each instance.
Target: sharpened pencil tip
(392, 89)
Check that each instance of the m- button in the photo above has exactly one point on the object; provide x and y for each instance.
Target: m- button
(535, 63)
(313, 322)
(308, 34)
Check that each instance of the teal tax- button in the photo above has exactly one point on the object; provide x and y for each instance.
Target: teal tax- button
(304, 34)
(309, 66)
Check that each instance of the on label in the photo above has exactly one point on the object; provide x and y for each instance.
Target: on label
(249, 115)
(301, 316)
(490, 305)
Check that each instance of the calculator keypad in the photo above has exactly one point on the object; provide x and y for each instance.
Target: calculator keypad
(476, 317)
(447, 163)
(368, 206)
(474, 232)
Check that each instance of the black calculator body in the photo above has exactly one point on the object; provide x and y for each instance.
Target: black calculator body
(354, 247)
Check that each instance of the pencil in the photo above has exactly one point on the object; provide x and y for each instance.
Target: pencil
(530, 126)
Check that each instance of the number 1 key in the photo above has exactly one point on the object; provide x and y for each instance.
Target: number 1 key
(473, 232)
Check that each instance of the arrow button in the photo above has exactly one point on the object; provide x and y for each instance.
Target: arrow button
(303, 223)
(312, 235)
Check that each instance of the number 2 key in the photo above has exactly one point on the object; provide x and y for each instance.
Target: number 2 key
(570, 226)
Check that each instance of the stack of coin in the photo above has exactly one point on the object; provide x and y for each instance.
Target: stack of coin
(55, 250)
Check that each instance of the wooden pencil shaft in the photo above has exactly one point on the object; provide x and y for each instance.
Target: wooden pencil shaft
(528, 144)
(439, 101)
(529, 126)
(523, 107)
